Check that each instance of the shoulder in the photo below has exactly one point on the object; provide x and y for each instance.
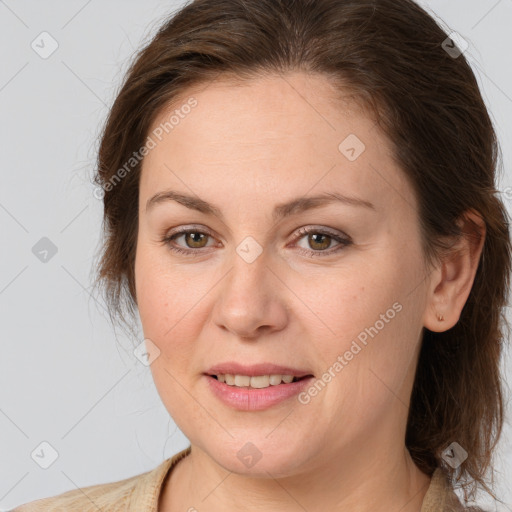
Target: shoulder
(139, 492)
(91, 498)
(441, 497)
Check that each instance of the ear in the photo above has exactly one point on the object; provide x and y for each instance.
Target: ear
(452, 280)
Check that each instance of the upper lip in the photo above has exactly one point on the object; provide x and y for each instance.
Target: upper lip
(234, 368)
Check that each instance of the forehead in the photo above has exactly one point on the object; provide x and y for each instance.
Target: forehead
(269, 102)
(290, 132)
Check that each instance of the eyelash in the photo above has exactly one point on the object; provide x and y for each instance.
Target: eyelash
(344, 242)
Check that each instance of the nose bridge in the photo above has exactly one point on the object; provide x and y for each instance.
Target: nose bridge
(248, 299)
(247, 280)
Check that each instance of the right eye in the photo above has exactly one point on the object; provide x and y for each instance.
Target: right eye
(194, 239)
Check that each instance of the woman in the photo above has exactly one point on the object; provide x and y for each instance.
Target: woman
(300, 204)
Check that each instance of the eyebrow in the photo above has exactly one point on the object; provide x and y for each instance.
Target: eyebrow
(293, 207)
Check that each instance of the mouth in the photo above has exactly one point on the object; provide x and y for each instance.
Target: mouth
(257, 381)
(258, 391)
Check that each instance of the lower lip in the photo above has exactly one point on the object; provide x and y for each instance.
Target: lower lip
(253, 399)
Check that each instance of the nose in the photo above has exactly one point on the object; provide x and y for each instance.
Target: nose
(251, 299)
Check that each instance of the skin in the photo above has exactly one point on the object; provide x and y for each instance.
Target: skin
(246, 148)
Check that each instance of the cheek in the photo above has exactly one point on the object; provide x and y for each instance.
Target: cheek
(385, 330)
(169, 320)
(163, 299)
(341, 306)
(370, 315)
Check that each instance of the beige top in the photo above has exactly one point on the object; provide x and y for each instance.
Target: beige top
(140, 493)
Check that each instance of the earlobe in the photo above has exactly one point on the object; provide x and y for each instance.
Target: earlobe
(436, 317)
(456, 274)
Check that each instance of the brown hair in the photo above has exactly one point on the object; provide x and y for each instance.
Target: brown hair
(389, 54)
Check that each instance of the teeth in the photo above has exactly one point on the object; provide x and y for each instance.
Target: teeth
(275, 379)
(242, 380)
(257, 381)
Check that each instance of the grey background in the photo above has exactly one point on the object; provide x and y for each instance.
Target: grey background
(64, 376)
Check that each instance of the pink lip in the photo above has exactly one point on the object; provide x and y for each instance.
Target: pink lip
(248, 399)
(234, 368)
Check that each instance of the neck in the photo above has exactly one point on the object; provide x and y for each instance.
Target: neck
(388, 481)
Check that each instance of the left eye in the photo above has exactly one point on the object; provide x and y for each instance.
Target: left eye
(319, 240)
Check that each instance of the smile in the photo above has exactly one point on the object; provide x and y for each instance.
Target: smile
(255, 381)
(243, 396)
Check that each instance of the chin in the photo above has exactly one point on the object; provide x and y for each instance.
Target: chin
(257, 455)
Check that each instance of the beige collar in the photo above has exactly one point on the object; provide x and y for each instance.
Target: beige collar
(439, 497)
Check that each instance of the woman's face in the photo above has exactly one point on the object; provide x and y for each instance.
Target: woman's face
(249, 285)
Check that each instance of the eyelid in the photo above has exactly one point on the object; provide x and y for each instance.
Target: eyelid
(186, 228)
(315, 228)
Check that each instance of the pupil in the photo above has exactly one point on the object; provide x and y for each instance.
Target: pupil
(196, 237)
(314, 239)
